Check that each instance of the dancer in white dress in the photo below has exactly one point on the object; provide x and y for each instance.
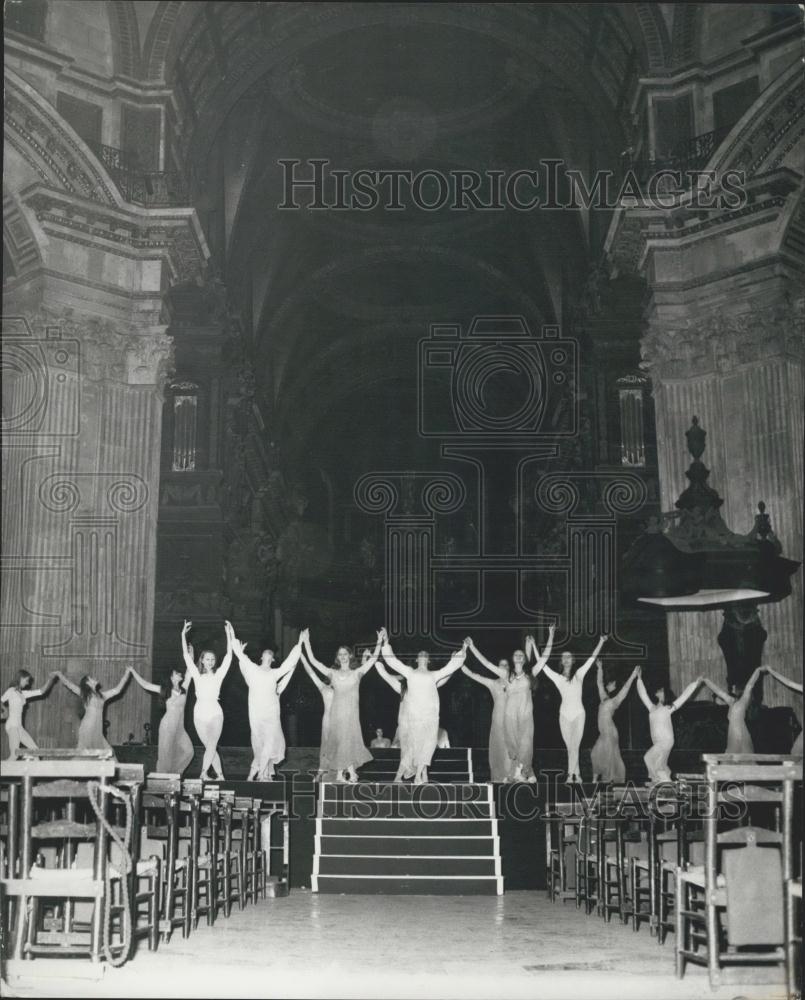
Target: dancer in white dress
(606, 754)
(422, 706)
(16, 698)
(174, 746)
(499, 760)
(91, 728)
(739, 739)
(347, 750)
(403, 735)
(518, 707)
(208, 716)
(796, 749)
(327, 695)
(266, 684)
(661, 727)
(571, 712)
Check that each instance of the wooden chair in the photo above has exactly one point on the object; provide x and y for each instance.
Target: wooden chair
(619, 841)
(160, 806)
(712, 905)
(230, 887)
(561, 834)
(145, 877)
(793, 944)
(588, 864)
(64, 779)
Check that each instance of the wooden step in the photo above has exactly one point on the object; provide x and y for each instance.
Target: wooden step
(390, 865)
(407, 827)
(422, 885)
(349, 844)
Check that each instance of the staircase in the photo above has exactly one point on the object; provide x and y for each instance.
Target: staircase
(451, 765)
(378, 836)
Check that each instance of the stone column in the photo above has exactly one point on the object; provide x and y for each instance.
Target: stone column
(739, 368)
(82, 423)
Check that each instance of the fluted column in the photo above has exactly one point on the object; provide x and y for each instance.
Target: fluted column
(739, 368)
(81, 434)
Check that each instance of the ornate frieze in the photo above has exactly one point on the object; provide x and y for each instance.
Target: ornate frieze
(720, 341)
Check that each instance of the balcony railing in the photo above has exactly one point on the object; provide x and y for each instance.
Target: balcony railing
(692, 154)
(149, 188)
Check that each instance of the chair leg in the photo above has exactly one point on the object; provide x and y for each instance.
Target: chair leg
(680, 904)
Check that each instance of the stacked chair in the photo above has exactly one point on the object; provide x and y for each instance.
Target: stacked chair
(712, 858)
(731, 911)
(94, 859)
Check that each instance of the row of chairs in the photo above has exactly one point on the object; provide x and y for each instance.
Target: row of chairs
(94, 858)
(212, 855)
(672, 856)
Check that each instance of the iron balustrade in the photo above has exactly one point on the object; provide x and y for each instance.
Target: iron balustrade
(692, 154)
(148, 188)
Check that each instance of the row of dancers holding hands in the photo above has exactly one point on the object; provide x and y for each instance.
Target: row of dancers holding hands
(342, 752)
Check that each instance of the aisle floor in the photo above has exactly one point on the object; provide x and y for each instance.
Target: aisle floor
(517, 945)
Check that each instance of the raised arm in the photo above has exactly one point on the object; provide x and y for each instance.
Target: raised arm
(542, 658)
(312, 674)
(689, 690)
(746, 694)
(288, 665)
(371, 659)
(392, 661)
(226, 663)
(146, 685)
(188, 655)
(783, 680)
(39, 692)
(285, 679)
(455, 663)
(581, 673)
(393, 682)
(118, 688)
(641, 690)
(500, 671)
(620, 697)
(327, 671)
(487, 683)
(717, 691)
(552, 675)
(68, 683)
(599, 680)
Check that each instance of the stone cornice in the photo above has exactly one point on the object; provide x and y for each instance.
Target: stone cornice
(172, 234)
(65, 67)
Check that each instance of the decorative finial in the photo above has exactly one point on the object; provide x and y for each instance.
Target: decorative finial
(695, 436)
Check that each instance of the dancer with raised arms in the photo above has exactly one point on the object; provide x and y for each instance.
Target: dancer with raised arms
(606, 754)
(739, 739)
(571, 711)
(796, 749)
(174, 746)
(499, 760)
(403, 734)
(16, 698)
(347, 751)
(661, 727)
(422, 706)
(327, 695)
(208, 716)
(94, 699)
(266, 684)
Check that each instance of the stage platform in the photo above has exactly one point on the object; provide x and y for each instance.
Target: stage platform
(518, 808)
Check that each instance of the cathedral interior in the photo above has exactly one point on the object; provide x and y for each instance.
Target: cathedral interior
(224, 401)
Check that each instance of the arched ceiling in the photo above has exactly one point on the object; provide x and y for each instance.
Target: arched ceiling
(338, 300)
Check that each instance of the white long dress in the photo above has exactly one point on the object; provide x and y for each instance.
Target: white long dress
(422, 714)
